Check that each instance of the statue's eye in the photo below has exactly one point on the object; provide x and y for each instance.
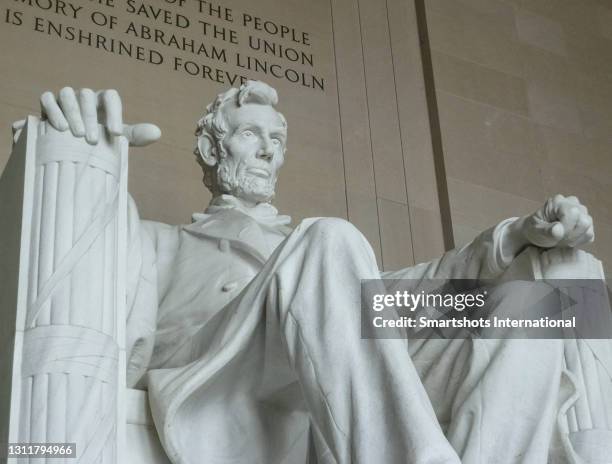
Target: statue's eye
(247, 133)
(276, 142)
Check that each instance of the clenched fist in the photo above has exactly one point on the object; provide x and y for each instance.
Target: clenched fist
(561, 222)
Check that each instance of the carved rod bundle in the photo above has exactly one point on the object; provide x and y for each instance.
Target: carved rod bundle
(72, 358)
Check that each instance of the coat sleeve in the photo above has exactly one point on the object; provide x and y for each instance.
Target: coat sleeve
(151, 249)
(142, 298)
(482, 258)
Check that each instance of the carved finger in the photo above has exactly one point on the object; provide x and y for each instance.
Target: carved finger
(140, 135)
(583, 232)
(573, 199)
(89, 113)
(18, 125)
(72, 112)
(545, 234)
(577, 242)
(548, 211)
(569, 216)
(113, 109)
(558, 198)
(556, 230)
(575, 236)
(51, 110)
(587, 236)
(591, 234)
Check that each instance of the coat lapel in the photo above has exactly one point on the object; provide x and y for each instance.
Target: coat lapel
(242, 231)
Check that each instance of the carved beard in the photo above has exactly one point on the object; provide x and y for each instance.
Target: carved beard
(235, 180)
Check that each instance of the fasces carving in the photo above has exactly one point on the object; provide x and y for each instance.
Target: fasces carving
(246, 332)
(69, 348)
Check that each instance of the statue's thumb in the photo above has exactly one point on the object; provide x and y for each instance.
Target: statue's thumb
(545, 234)
(140, 135)
(556, 230)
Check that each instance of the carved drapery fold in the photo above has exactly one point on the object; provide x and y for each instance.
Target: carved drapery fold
(585, 417)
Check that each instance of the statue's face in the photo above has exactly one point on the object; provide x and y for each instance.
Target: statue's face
(254, 147)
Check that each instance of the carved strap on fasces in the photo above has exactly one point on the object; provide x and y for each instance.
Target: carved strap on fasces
(96, 160)
(70, 350)
(95, 228)
(78, 351)
(53, 146)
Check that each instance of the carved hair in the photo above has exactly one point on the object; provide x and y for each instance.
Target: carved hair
(212, 127)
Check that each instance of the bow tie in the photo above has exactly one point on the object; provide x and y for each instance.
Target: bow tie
(264, 213)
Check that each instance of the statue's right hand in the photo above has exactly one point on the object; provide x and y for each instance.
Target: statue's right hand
(82, 111)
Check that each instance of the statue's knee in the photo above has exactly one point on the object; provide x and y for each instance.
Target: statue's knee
(334, 229)
(338, 240)
(547, 352)
(537, 355)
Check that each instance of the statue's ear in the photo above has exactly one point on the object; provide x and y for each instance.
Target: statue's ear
(206, 147)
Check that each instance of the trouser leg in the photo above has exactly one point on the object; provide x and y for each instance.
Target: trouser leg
(365, 396)
(498, 399)
(589, 420)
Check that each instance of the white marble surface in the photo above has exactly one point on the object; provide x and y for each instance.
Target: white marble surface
(142, 442)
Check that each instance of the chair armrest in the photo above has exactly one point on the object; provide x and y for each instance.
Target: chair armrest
(554, 263)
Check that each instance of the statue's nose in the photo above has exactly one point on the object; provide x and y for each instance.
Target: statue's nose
(265, 155)
(266, 152)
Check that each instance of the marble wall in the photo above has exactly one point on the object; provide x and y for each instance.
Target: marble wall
(524, 93)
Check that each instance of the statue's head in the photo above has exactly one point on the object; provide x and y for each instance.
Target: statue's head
(241, 142)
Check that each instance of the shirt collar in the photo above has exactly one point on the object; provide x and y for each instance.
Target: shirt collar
(264, 213)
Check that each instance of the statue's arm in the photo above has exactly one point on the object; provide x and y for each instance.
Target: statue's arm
(482, 258)
(561, 222)
(142, 297)
(152, 248)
